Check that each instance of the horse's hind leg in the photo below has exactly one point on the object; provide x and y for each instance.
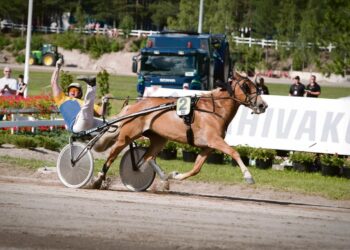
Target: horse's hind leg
(157, 144)
(118, 147)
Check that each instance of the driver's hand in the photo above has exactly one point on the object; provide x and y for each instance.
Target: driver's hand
(59, 63)
(104, 99)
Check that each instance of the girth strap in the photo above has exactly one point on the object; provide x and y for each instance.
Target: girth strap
(188, 120)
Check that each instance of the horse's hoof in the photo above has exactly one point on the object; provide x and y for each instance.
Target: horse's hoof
(160, 186)
(97, 181)
(164, 186)
(97, 184)
(106, 184)
(173, 175)
(249, 180)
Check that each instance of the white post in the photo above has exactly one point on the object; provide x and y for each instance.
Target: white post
(200, 20)
(28, 40)
(330, 46)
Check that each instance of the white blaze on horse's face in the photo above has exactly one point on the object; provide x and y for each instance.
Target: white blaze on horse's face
(260, 105)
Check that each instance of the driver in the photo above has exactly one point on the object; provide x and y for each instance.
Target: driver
(78, 114)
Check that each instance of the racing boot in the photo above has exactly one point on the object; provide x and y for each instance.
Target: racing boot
(90, 80)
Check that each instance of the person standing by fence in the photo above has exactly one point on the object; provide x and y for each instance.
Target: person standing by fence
(313, 89)
(297, 88)
(21, 86)
(262, 88)
(8, 85)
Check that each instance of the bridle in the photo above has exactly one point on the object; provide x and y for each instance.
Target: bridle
(250, 98)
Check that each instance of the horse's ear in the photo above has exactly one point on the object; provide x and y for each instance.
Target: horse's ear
(237, 76)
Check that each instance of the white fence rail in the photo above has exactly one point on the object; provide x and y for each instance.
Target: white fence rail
(275, 43)
(23, 118)
(113, 32)
(106, 31)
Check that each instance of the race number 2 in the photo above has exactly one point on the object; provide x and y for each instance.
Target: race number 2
(183, 106)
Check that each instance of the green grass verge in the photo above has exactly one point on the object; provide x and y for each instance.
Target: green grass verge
(287, 180)
(31, 164)
(290, 181)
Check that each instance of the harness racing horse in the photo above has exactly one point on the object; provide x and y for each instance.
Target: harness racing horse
(212, 114)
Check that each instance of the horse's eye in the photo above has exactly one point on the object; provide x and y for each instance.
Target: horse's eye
(246, 88)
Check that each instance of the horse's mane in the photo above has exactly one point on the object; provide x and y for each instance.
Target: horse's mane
(225, 86)
(220, 87)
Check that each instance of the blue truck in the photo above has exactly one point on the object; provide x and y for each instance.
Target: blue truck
(171, 59)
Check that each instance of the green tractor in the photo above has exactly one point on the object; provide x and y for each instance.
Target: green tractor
(47, 56)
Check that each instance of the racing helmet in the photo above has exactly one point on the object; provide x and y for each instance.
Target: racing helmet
(76, 85)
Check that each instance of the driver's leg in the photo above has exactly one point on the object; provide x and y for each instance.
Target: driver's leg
(85, 118)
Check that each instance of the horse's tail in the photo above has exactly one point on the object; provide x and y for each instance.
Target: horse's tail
(108, 139)
(111, 136)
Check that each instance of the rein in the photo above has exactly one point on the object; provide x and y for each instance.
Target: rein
(249, 99)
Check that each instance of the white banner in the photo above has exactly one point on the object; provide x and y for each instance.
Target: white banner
(295, 123)
(158, 91)
(290, 123)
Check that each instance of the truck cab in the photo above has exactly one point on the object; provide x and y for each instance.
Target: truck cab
(171, 59)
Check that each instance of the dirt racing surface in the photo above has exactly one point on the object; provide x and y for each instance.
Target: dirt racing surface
(38, 212)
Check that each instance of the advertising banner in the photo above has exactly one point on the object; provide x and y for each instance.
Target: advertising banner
(295, 123)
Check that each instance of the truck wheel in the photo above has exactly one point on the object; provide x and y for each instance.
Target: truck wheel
(32, 60)
(49, 60)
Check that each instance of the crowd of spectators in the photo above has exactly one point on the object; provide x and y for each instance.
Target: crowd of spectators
(313, 89)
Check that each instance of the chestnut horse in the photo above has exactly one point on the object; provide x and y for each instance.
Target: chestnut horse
(211, 116)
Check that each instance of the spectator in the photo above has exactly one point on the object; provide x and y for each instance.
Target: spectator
(297, 88)
(185, 86)
(8, 85)
(78, 114)
(21, 86)
(313, 89)
(196, 83)
(260, 84)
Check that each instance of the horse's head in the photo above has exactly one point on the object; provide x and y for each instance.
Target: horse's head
(246, 92)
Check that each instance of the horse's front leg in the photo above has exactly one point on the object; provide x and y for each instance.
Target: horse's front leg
(221, 145)
(201, 158)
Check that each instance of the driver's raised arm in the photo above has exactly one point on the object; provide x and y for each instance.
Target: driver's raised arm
(56, 89)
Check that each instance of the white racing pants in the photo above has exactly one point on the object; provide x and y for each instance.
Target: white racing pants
(85, 119)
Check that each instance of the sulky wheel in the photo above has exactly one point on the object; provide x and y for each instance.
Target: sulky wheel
(138, 177)
(78, 174)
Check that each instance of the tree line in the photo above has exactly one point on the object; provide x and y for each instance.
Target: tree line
(309, 24)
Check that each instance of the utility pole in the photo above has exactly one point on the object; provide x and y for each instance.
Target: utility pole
(28, 40)
(200, 20)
